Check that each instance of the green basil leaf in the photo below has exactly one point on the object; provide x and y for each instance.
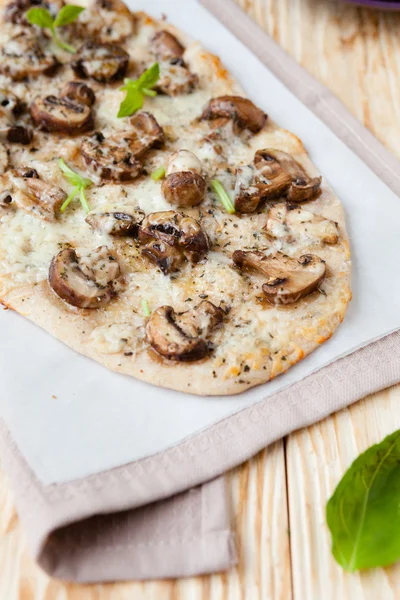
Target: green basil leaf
(363, 514)
(150, 77)
(40, 17)
(68, 14)
(132, 103)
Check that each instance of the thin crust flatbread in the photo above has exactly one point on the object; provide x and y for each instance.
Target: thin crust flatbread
(257, 340)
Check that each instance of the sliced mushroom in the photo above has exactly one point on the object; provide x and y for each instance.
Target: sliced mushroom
(102, 62)
(78, 92)
(106, 21)
(289, 279)
(273, 164)
(23, 188)
(119, 222)
(61, 115)
(116, 157)
(184, 184)
(22, 56)
(145, 133)
(10, 108)
(164, 254)
(241, 111)
(251, 188)
(183, 336)
(274, 173)
(166, 46)
(85, 282)
(291, 222)
(110, 158)
(175, 78)
(16, 134)
(15, 10)
(170, 237)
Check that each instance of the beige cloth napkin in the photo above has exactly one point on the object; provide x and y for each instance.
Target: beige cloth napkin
(152, 518)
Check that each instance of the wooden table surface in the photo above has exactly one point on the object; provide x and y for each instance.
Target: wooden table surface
(279, 496)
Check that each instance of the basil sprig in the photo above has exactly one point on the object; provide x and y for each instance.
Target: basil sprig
(363, 514)
(80, 184)
(43, 19)
(137, 89)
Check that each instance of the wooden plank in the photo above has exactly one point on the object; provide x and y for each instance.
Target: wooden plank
(259, 512)
(317, 457)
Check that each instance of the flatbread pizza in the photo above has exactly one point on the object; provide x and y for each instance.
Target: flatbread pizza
(152, 217)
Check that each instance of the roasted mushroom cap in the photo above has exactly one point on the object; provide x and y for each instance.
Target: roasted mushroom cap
(22, 56)
(184, 189)
(23, 188)
(166, 46)
(169, 237)
(184, 185)
(273, 163)
(85, 282)
(241, 111)
(289, 279)
(61, 115)
(116, 157)
(119, 222)
(182, 337)
(106, 21)
(15, 10)
(102, 62)
(78, 92)
(291, 222)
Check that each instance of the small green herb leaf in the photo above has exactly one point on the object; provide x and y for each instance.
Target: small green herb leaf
(149, 78)
(68, 14)
(363, 513)
(158, 174)
(40, 17)
(145, 308)
(137, 89)
(80, 184)
(132, 103)
(223, 196)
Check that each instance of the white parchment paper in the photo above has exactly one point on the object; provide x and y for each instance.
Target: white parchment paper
(71, 417)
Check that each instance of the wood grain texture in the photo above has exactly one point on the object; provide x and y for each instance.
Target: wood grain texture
(357, 54)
